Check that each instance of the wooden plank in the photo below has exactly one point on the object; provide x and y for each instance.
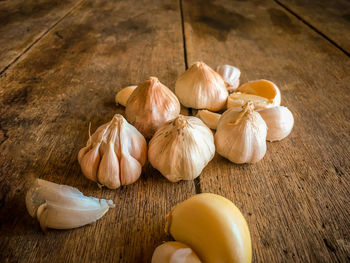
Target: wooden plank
(296, 200)
(23, 22)
(47, 100)
(332, 18)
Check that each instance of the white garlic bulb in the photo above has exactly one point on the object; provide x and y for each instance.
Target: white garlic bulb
(150, 106)
(174, 252)
(200, 87)
(181, 148)
(62, 206)
(241, 135)
(211, 119)
(231, 75)
(263, 93)
(114, 154)
(124, 94)
(279, 121)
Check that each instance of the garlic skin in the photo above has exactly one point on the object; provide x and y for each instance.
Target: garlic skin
(174, 252)
(150, 106)
(62, 206)
(210, 119)
(213, 227)
(263, 93)
(181, 148)
(231, 75)
(114, 154)
(123, 95)
(200, 87)
(279, 121)
(241, 135)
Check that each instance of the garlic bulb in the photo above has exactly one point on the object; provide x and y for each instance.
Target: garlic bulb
(174, 252)
(241, 135)
(124, 94)
(211, 119)
(114, 154)
(279, 121)
(150, 106)
(263, 93)
(200, 87)
(62, 206)
(231, 75)
(181, 148)
(213, 227)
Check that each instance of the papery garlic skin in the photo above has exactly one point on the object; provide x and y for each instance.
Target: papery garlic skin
(213, 227)
(263, 93)
(200, 87)
(231, 75)
(150, 106)
(279, 121)
(211, 119)
(181, 148)
(114, 154)
(174, 252)
(241, 135)
(63, 207)
(124, 94)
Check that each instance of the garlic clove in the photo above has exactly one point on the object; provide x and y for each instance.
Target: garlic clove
(151, 105)
(200, 87)
(90, 162)
(109, 172)
(63, 207)
(120, 146)
(241, 135)
(124, 94)
(279, 121)
(211, 119)
(174, 252)
(238, 99)
(263, 93)
(231, 75)
(213, 227)
(181, 148)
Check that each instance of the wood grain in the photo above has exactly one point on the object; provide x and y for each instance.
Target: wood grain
(296, 200)
(332, 18)
(22, 23)
(47, 100)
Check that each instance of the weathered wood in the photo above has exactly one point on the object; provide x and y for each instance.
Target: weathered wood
(47, 100)
(296, 200)
(331, 18)
(22, 23)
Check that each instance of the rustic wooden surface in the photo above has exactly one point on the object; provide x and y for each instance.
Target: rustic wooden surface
(296, 200)
(331, 18)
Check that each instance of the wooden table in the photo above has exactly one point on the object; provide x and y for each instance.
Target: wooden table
(61, 64)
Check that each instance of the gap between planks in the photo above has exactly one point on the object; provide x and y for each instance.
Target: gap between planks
(312, 27)
(197, 181)
(40, 37)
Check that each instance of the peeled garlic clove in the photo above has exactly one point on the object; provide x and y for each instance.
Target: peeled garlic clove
(200, 87)
(124, 94)
(63, 207)
(174, 252)
(211, 119)
(231, 75)
(213, 227)
(263, 93)
(241, 135)
(181, 148)
(150, 106)
(279, 121)
(122, 150)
